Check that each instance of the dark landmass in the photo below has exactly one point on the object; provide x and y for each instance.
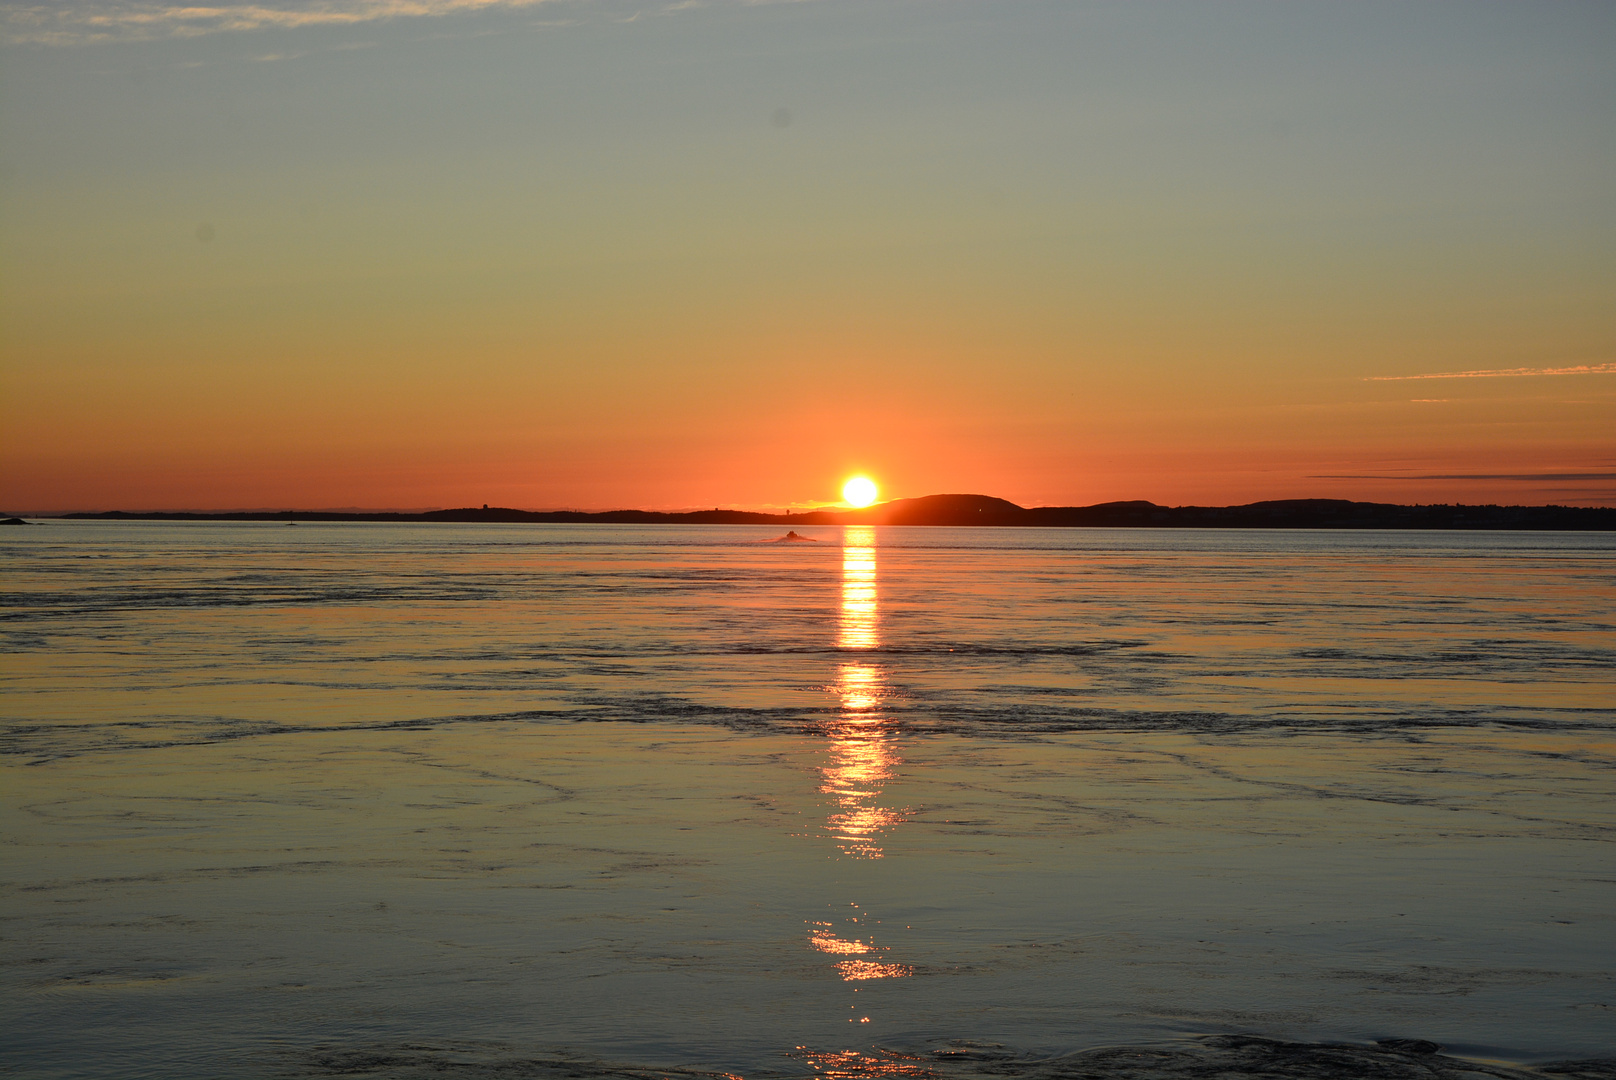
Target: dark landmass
(15, 521)
(1216, 1057)
(985, 510)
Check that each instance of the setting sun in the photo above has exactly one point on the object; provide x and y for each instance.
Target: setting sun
(859, 491)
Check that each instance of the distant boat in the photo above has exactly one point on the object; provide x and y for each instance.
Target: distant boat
(792, 538)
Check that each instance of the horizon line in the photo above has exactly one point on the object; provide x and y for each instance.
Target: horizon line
(843, 508)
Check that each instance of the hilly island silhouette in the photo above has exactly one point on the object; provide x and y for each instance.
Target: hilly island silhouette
(957, 510)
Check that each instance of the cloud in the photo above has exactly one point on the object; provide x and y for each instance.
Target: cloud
(1469, 476)
(1503, 373)
(75, 23)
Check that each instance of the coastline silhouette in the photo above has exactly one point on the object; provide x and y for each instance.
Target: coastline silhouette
(957, 510)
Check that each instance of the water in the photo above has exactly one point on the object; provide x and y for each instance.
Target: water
(518, 800)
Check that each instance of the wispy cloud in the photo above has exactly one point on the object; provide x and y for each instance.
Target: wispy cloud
(1468, 476)
(1503, 373)
(75, 22)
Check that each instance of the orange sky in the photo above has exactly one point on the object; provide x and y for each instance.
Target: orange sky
(1060, 254)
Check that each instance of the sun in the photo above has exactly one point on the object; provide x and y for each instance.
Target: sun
(859, 491)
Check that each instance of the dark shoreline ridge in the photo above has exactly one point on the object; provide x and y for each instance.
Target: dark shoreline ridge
(986, 510)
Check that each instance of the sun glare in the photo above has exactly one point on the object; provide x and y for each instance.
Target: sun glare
(859, 491)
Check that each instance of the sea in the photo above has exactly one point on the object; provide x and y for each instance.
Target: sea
(360, 799)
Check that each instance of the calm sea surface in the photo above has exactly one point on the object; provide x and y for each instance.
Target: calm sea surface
(442, 800)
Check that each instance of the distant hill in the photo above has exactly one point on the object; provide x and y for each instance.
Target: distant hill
(958, 510)
(937, 510)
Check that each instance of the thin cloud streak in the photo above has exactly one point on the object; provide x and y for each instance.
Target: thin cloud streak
(75, 24)
(1502, 373)
(1467, 476)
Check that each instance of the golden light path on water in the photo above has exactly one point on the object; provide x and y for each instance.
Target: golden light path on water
(858, 627)
(862, 756)
(862, 760)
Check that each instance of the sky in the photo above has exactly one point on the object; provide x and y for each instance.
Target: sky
(612, 253)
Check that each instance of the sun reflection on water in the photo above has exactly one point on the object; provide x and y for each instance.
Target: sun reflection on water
(827, 942)
(862, 756)
(862, 760)
(858, 626)
(853, 1065)
(856, 970)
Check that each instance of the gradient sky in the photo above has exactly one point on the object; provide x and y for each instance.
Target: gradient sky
(607, 253)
